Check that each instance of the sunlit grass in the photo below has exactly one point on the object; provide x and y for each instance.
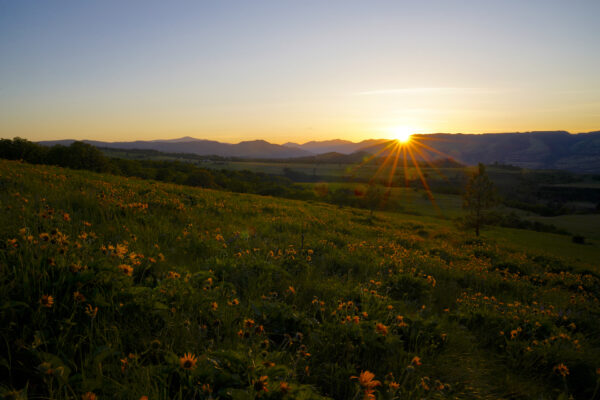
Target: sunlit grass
(168, 291)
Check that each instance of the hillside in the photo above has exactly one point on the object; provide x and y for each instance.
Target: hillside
(123, 288)
(535, 150)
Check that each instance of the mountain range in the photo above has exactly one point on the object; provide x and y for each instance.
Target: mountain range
(536, 150)
(247, 149)
(542, 150)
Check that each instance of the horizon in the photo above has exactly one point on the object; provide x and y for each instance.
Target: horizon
(110, 71)
(301, 143)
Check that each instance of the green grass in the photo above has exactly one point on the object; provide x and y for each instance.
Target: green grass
(547, 243)
(266, 292)
(587, 225)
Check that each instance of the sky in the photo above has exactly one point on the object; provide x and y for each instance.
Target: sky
(296, 70)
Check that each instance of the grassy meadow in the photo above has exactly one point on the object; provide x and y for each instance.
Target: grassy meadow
(123, 288)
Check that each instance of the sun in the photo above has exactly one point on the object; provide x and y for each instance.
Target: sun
(402, 134)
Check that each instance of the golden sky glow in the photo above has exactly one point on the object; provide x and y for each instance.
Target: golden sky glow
(297, 72)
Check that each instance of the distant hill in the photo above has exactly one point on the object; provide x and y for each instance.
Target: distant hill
(247, 149)
(335, 146)
(330, 158)
(540, 150)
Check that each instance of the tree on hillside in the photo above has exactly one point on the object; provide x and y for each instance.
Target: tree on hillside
(373, 197)
(479, 197)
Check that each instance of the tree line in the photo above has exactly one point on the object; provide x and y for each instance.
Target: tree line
(83, 156)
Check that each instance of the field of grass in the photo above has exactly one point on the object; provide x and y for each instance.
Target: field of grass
(123, 288)
(403, 200)
(587, 225)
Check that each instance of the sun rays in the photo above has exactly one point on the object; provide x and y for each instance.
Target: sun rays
(406, 151)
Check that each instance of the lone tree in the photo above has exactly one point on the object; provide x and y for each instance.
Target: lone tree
(479, 196)
(373, 197)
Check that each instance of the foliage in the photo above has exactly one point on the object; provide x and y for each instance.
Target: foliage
(478, 198)
(123, 288)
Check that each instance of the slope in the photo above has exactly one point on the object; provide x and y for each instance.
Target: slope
(124, 287)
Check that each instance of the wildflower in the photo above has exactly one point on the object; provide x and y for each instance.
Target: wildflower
(369, 394)
(292, 290)
(394, 385)
(381, 329)
(235, 302)
(365, 379)
(66, 217)
(416, 361)
(214, 305)
(47, 301)
(206, 388)
(173, 275)
(248, 323)
(514, 333)
(260, 385)
(91, 311)
(561, 369)
(126, 269)
(284, 387)
(143, 397)
(89, 396)
(124, 363)
(78, 297)
(76, 267)
(188, 361)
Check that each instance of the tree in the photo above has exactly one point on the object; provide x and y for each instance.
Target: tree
(479, 197)
(373, 197)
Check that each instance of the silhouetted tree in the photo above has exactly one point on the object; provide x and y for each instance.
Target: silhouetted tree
(373, 197)
(479, 197)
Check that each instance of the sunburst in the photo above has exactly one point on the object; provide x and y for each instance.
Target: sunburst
(411, 150)
(402, 134)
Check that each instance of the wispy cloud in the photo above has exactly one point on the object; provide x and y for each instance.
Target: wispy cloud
(426, 90)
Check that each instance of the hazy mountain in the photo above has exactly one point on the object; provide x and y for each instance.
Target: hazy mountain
(550, 150)
(335, 146)
(247, 149)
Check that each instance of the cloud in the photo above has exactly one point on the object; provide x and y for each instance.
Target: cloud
(426, 90)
